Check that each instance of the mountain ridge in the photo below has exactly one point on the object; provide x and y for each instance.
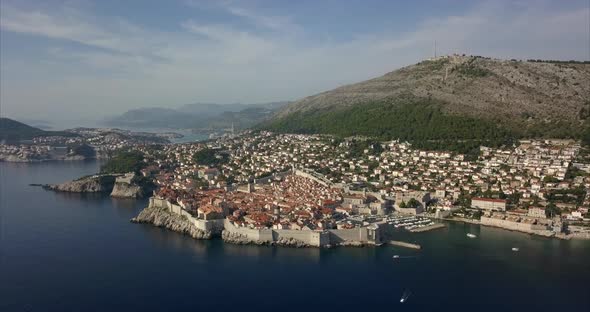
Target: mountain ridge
(197, 116)
(526, 98)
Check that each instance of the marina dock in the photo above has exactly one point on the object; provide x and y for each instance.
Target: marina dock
(428, 228)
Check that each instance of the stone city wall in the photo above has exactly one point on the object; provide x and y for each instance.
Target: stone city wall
(356, 236)
(312, 177)
(215, 226)
(237, 234)
(515, 226)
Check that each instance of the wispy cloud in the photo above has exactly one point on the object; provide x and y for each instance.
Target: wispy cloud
(275, 22)
(126, 65)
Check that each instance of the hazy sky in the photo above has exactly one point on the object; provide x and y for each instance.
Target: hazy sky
(82, 60)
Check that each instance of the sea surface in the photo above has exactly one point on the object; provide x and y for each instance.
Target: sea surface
(72, 252)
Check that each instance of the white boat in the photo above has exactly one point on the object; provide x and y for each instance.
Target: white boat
(515, 249)
(471, 235)
(395, 256)
(405, 296)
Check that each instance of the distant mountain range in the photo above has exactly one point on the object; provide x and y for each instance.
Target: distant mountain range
(449, 99)
(14, 131)
(197, 116)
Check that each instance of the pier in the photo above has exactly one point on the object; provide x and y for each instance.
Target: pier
(428, 228)
(404, 244)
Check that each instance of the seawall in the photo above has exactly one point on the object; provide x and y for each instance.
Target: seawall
(162, 217)
(404, 244)
(163, 213)
(360, 236)
(293, 238)
(517, 226)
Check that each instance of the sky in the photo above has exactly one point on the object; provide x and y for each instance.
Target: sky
(77, 61)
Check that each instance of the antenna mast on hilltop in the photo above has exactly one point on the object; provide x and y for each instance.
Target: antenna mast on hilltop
(434, 48)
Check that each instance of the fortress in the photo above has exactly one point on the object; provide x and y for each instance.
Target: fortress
(230, 232)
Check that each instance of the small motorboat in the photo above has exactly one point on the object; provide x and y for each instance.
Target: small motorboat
(471, 235)
(515, 249)
(405, 296)
(395, 256)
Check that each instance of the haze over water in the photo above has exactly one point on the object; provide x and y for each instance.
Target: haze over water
(71, 252)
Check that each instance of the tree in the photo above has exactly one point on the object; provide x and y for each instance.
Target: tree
(551, 210)
(84, 150)
(205, 157)
(514, 198)
(413, 203)
(230, 180)
(209, 157)
(403, 205)
(585, 136)
(125, 161)
(550, 179)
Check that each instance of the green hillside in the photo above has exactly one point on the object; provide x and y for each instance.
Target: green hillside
(452, 103)
(14, 131)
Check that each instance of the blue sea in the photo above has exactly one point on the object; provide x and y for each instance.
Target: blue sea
(72, 252)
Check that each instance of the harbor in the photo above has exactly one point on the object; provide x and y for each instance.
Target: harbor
(414, 224)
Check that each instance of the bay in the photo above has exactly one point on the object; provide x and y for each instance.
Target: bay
(73, 252)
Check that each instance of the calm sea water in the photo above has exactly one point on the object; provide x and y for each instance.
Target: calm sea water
(69, 252)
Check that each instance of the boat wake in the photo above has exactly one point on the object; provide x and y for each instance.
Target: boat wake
(405, 296)
(403, 257)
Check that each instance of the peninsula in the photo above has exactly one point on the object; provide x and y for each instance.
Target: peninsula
(319, 190)
(22, 143)
(120, 176)
(488, 141)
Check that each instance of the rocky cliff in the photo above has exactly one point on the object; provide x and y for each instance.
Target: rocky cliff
(161, 217)
(90, 184)
(123, 186)
(131, 186)
(239, 239)
(127, 190)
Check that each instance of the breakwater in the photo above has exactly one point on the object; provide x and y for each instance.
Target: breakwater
(428, 228)
(404, 244)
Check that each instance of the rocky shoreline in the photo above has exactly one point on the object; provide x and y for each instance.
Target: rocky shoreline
(238, 239)
(19, 159)
(118, 185)
(91, 184)
(161, 217)
(127, 190)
